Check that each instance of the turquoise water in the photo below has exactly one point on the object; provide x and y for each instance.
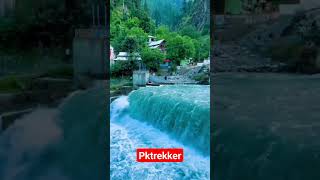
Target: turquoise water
(158, 117)
(181, 111)
(68, 143)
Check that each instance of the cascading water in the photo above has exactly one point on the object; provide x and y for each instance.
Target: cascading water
(161, 117)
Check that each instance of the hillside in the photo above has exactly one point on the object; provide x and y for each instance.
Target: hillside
(179, 13)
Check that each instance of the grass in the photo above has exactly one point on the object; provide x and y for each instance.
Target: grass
(117, 83)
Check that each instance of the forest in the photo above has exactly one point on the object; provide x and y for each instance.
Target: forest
(184, 25)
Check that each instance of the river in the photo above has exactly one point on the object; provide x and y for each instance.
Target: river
(69, 142)
(265, 126)
(161, 117)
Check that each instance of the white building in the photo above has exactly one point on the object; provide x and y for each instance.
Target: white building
(154, 44)
(206, 62)
(125, 56)
(151, 38)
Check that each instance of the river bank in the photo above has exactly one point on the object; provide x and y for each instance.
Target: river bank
(120, 87)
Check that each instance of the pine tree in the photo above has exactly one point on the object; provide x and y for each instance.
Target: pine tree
(157, 17)
(146, 9)
(185, 6)
(137, 4)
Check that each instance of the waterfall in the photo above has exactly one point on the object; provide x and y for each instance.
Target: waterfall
(161, 117)
(183, 111)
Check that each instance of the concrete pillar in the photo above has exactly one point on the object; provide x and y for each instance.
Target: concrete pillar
(90, 53)
(140, 78)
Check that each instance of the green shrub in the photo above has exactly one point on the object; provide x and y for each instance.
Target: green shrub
(117, 83)
(123, 68)
(152, 58)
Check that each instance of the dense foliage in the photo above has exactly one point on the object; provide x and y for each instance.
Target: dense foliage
(152, 58)
(180, 13)
(133, 20)
(123, 68)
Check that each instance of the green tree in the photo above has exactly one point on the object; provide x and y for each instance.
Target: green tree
(132, 22)
(180, 48)
(130, 40)
(188, 46)
(205, 46)
(157, 17)
(140, 38)
(146, 23)
(197, 47)
(145, 6)
(163, 32)
(115, 23)
(190, 31)
(152, 58)
(123, 68)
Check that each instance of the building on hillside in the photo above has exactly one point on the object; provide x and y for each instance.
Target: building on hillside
(156, 44)
(206, 61)
(200, 64)
(125, 56)
(6, 7)
(151, 39)
(161, 45)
